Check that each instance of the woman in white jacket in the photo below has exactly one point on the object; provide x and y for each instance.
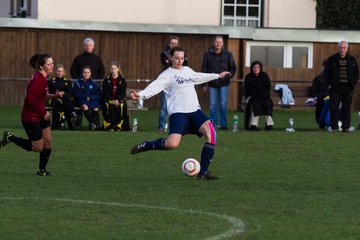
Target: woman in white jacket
(183, 106)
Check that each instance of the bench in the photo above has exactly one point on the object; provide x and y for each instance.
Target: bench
(132, 106)
(300, 89)
(300, 93)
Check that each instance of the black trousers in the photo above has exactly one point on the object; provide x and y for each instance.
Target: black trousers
(343, 95)
(115, 116)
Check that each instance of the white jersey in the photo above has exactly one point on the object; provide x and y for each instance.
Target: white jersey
(178, 86)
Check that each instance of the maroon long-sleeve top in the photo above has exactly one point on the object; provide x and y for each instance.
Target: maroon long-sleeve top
(34, 104)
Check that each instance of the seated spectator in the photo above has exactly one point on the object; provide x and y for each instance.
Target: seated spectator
(63, 108)
(257, 92)
(319, 90)
(114, 94)
(87, 96)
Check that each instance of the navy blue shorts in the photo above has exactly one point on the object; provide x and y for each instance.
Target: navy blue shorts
(34, 129)
(187, 123)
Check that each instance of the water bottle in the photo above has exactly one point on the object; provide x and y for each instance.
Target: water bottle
(135, 125)
(235, 123)
(62, 120)
(166, 127)
(140, 103)
(291, 128)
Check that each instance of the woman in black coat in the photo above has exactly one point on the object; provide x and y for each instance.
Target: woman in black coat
(114, 98)
(257, 90)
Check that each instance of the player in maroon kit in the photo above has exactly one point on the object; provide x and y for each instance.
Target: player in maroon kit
(35, 119)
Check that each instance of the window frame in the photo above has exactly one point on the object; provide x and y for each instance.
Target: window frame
(288, 51)
(247, 18)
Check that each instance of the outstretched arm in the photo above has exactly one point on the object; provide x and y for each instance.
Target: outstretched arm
(200, 78)
(223, 74)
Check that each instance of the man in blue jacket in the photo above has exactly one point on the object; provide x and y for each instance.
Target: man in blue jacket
(217, 60)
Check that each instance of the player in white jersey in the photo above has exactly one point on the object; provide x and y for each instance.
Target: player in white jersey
(183, 106)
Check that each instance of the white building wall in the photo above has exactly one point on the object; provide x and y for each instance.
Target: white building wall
(185, 12)
(290, 13)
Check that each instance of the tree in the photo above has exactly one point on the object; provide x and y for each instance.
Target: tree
(338, 14)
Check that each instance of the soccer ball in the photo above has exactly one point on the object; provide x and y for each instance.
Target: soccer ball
(190, 167)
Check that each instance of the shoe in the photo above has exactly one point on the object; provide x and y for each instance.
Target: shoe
(43, 172)
(139, 148)
(330, 130)
(206, 176)
(92, 126)
(346, 130)
(109, 129)
(269, 128)
(223, 128)
(254, 128)
(5, 139)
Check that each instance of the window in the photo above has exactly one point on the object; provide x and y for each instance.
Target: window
(277, 54)
(244, 13)
(20, 8)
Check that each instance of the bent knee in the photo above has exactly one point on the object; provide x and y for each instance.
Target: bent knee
(171, 144)
(37, 148)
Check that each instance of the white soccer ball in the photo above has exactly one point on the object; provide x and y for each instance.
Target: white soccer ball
(190, 167)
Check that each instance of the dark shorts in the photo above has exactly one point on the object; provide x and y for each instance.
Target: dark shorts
(34, 129)
(187, 123)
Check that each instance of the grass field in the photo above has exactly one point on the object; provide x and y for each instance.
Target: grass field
(273, 185)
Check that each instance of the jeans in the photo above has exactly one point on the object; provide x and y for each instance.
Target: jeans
(162, 112)
(218, 105)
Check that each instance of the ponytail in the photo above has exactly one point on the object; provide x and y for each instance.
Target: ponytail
(38, 60)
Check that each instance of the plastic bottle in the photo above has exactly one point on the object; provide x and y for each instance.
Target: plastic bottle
(166, 127)
(140, 103)
(62, 120)
(235, 123)
(135, 125)
(291, 128)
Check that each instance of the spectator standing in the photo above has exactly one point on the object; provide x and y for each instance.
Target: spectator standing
(186, 116)
(88, 58)
(341, 73)
(165, 58)
(87, 94)
(257, 89)
(114, 98)
(217, 60)
(35, 119)
(63, 106)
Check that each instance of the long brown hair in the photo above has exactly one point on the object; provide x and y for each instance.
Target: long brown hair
(115, 63)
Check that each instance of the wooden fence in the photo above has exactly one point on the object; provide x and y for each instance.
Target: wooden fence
(138, 54)
(12, 92)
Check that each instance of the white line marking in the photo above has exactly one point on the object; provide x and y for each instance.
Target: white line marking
(237, 224)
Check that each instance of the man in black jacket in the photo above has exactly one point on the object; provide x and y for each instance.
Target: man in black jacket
(88, 58)
(341, 73)
(217, 60)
